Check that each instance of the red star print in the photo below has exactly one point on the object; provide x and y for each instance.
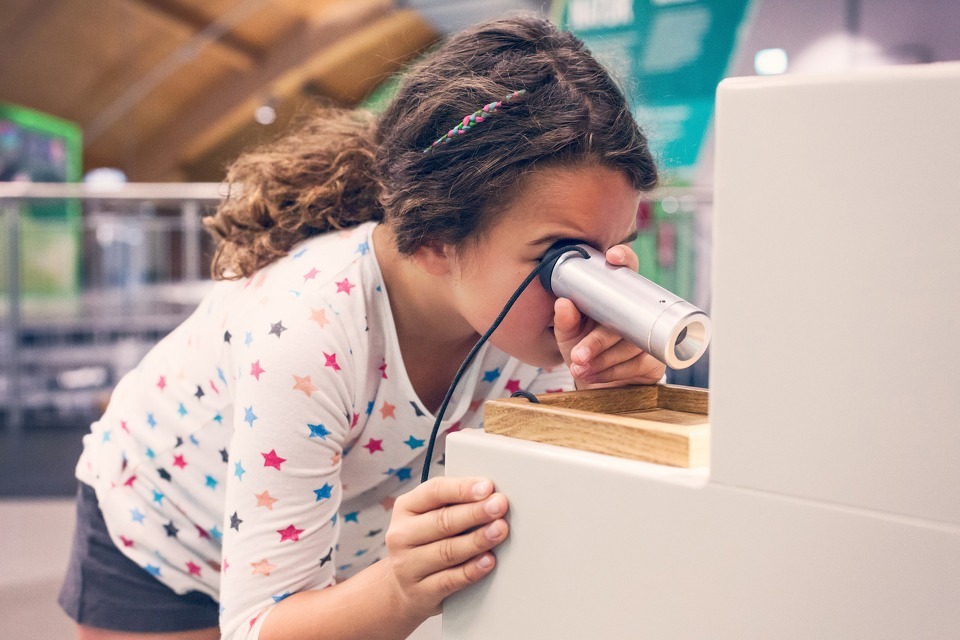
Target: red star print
(129, 481)
(386, 411)
(554, 390)
(213, 386)
(256, 370)
(271, 459)
(356, 419)
(123, 425)
(512, 386)
(344, 286)
(178, 461)
(454, 427)
(202, 532)
(331, 361)
(383, 370)
(226, 565)
(374, 445)
(126, 541)
(193, 568)
(290, 533)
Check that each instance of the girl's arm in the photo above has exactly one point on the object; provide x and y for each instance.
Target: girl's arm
(439, 540)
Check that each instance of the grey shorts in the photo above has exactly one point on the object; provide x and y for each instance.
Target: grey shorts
(105, 589)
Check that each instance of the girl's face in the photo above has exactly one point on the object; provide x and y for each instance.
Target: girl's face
(592, 204)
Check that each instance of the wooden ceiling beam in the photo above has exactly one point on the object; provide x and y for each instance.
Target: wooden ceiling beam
(226, 109)
(239, 53)
(344, 74)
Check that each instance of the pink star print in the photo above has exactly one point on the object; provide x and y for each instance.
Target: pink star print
(512, 386)
(383, 370)
(162, 383)
(256, 370)
(310, 275)
(374, 445)
(193, 568)
(344, 286)
(178, 461)
(331, 361)
(263, 567)
(272, 459)
(290, 533)
(304, 384)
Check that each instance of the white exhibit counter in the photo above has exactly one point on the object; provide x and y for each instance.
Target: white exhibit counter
(831, 504)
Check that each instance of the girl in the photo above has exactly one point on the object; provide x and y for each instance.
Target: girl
(258, 469)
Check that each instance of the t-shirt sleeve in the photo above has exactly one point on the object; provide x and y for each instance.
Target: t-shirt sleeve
(292, 420)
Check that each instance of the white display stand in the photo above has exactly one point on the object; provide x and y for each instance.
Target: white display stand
(831, 508)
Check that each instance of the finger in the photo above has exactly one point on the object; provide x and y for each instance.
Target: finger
(593, 344)
(621, 351)
(644, 369)
(441, 491)
(449, 581)
(451, 521)
(623, 255)
(568, 323)
(451, 552)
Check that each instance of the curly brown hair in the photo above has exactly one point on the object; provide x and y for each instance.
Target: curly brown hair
(347, 167)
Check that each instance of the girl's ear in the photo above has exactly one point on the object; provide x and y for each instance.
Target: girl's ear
(434, 258)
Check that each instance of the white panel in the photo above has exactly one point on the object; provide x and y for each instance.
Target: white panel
(608, 548)
(835, 362)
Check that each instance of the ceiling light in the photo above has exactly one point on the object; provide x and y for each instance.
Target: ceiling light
(770, 62)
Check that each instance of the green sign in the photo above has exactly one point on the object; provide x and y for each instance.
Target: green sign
(670, 55)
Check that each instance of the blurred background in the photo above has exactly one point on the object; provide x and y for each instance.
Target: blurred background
(119, 117)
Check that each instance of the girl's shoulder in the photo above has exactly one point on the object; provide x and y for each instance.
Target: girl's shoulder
(325, 256)
(322, 265)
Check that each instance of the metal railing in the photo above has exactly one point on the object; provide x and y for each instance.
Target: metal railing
(88, 288)
(141, 269)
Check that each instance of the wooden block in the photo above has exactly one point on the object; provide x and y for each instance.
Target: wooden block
(664, 424)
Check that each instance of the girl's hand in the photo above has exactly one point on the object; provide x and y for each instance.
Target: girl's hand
(596, 355)
(440, 537)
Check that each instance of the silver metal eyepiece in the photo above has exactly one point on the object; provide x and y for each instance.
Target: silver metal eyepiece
(661, 323)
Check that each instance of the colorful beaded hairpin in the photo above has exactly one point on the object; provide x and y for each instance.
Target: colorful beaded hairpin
(474, 119)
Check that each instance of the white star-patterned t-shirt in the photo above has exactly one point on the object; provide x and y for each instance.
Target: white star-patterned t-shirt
(257, 450)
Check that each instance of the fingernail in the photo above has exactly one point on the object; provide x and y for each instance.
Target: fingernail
(494, 506)
(494, 531)
(581, 354)
(578, 370)
(485, 561)
(481, 489)
(619, 255)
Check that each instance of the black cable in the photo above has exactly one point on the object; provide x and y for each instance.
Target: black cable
(548, 260)
(522, 393)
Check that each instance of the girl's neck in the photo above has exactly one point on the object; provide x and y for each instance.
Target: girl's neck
(434, 339)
